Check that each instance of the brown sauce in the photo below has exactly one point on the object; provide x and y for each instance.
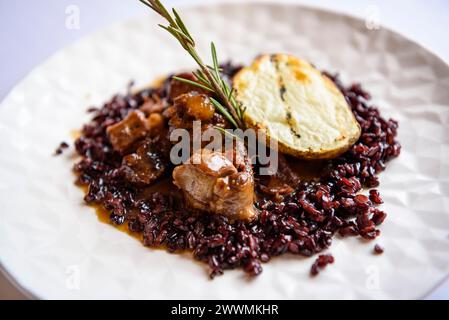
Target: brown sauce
(75, 134)
(306, 169)
(164, 186)
(103, 216)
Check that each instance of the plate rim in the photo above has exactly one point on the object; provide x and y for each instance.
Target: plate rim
(30, 293)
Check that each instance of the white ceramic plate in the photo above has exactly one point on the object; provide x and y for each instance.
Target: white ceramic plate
(55, 247)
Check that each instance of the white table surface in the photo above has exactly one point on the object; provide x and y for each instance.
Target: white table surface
(31, 31)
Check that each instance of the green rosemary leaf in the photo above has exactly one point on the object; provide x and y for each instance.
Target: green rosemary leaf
(213, 69)
(183, 35)
(182, 26)
(225, 86)
(226, 132)
(223, 111)
(195, 57)
(157, 6)
(201, 75)
(215, 59)
(178, 34)
(198, 74)
(193, 83)
(231, 93)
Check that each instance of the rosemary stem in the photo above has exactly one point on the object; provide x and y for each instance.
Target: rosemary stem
(222, 96)
(209, 77)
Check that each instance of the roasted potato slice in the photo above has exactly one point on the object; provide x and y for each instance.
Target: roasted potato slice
(297, 106)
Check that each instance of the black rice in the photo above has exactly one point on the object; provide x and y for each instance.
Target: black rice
(378, 249)
(60, 149)
(320, 263)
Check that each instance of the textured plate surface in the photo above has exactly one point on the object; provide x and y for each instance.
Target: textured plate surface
(55, 247)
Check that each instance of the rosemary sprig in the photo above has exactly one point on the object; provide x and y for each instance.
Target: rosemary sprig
(228, 133)
(209, 77)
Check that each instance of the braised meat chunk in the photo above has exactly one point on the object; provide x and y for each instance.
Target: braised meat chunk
(125, 133)
(178, 88)
(211, 182)
(189, 107)
(156, 125)
(144, 166)
(152, 104)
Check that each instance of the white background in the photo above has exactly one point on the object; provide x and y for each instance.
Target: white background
(30, 31)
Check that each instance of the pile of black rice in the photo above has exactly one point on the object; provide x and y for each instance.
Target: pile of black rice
(304, 223)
